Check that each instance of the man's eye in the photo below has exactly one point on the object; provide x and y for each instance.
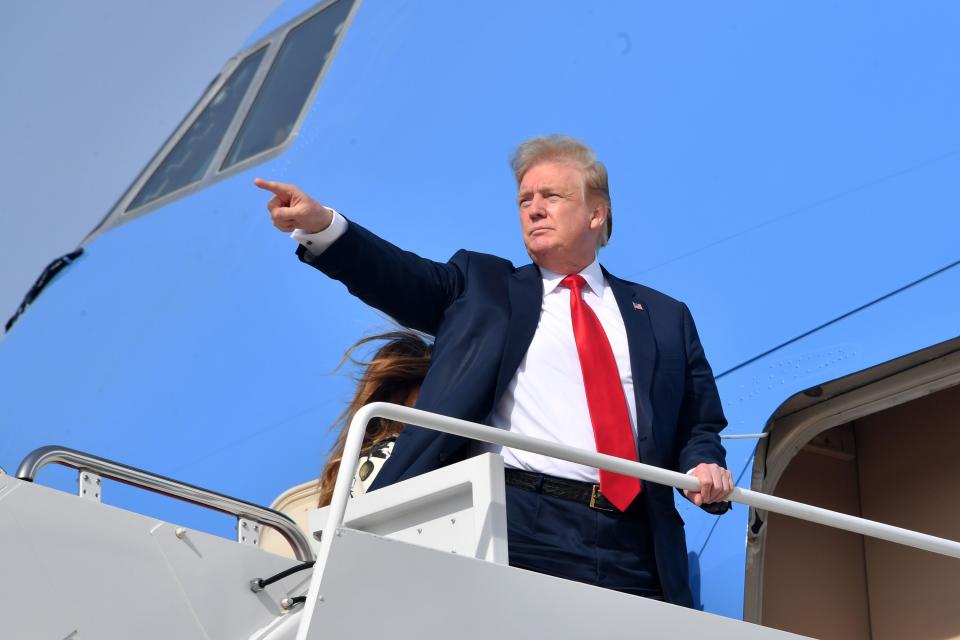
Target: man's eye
(553, 197)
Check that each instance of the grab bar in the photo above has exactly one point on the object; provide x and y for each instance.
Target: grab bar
(242, 509)
(493, 435)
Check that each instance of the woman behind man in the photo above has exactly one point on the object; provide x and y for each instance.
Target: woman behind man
(393, 374)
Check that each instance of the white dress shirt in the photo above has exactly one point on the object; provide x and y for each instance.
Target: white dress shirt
(546, 397)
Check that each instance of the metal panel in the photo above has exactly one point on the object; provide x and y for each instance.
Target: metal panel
(27, 590)
(88, 485)
(419, 593)
(76, 566)
(214, 575)
(248, 532)
(71, 577)
(458, 508)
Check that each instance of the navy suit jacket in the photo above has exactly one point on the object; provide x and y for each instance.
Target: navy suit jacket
(483, 312)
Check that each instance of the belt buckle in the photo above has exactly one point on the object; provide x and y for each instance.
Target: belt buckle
(594, 495)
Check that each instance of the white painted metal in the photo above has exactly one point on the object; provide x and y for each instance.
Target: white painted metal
(248, 532)
(458, 508)
(78, 566)
(385, 588)
(89, 485)
(282, 628)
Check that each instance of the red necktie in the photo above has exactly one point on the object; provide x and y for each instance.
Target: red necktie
(605, 401)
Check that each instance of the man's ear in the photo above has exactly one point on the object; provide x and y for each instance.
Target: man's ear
(598, 216)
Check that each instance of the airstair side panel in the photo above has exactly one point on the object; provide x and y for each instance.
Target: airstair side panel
(402, 591)
(74, 568)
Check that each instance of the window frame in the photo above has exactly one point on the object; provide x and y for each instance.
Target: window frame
(273, 41)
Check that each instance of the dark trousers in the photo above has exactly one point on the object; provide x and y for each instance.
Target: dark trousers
(567, 539)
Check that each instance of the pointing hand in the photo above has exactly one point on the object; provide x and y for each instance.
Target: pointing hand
(290, 208)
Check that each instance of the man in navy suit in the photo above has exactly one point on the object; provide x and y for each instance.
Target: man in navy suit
(558, 349)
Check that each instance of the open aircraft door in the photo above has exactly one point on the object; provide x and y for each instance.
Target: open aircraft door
(882, 444)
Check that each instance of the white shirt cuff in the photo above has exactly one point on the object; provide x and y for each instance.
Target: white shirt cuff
(317, 243)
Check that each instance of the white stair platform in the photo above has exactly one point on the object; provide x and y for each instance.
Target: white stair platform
(76, 569)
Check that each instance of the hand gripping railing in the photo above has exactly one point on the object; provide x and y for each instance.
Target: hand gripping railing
(351, 455)
(81, 461)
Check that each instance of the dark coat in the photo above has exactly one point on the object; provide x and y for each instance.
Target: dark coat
(483, 312)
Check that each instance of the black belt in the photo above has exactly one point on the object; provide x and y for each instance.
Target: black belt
(582, 492)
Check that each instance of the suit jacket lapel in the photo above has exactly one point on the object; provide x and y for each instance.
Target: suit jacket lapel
(526, 298)
(643, 355)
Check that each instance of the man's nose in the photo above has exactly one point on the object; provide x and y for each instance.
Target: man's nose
(537, 209)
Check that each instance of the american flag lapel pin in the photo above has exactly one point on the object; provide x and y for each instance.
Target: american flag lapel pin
(637, 306)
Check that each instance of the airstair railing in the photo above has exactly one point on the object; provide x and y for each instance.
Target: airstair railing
(243, 510)
(351, 456)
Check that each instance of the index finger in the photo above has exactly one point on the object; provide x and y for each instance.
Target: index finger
(280, 188)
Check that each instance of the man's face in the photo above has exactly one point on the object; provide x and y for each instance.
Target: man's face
(560, 229)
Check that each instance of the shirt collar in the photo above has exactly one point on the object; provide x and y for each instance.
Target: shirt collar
(592, 273)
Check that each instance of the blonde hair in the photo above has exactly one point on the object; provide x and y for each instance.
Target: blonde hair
(557, 148)
(394, 374)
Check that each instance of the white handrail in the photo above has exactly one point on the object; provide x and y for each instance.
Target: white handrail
(351, 456)
(446, 424)
(354, 441)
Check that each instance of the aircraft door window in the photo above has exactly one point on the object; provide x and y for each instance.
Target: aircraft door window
(289, 83)
(188, 161)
